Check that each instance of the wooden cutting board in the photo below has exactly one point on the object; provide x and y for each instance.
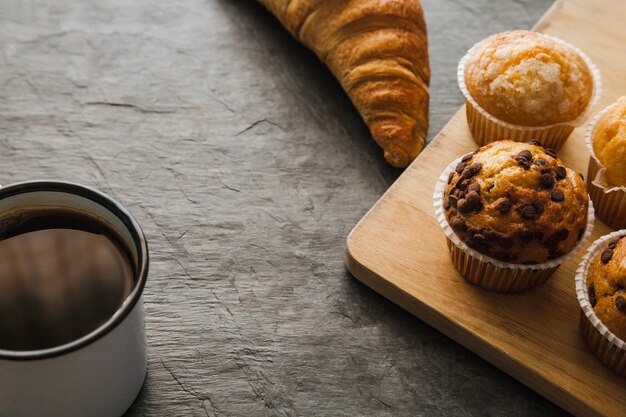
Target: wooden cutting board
(399, 250)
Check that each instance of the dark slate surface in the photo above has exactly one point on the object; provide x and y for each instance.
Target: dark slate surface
(247, 167)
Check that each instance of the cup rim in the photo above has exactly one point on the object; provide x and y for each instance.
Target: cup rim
(118, 210)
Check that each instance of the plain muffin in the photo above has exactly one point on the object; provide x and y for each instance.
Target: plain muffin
(606, 286)
(516, 202)
(527, 79)
(609, 143)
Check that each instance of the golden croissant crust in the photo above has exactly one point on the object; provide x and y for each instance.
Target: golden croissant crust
(378, 51)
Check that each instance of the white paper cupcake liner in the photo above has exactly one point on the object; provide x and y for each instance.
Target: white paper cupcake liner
(610, 349)
(609, 201)
(490, 273)
(487, 128)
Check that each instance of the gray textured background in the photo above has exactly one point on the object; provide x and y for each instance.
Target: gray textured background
(247, 167)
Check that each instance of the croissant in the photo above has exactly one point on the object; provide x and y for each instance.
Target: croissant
(378, 51)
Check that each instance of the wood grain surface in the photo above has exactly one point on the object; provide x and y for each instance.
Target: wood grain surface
(399, 250)
(247, 167)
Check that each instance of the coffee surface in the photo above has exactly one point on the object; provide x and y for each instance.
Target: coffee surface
(62, 275)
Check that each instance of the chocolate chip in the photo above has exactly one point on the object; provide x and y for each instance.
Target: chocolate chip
(476, 167)
(613, 243)
(458, 193)
(562, 234)
(557, 195)
(592, 294)
(506, 242)
(504, 206)
(470, 203)
(472, 197)
(472, 170)
(606, 256)
(523, 162)
(551, 152)
(446, 204)
(526, 235)
(490, 187)
(467, 157)
(560, 172)
(503, 256)
(539, 235)
(458, 224)
(538, 205)
(526, 154)
(474, 187)
(478, 238)
(540, 162)
(547, 181)
(462, 206)
(460, 167)
(462, 184)
(450, 177)
(452, 200)
(489, 233)
(552, 242)
(479, 246)
(536, 143)
(528, 212)
(553, 254)
(581, 232)
(620, 303)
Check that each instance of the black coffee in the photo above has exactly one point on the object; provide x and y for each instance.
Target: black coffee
(62, 275)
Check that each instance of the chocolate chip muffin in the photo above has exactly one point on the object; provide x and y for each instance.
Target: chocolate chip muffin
(606, 286)
(516, 202)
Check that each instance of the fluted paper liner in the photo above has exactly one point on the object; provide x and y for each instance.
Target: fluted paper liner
(487, 128)
(609, 349)
(609, 201)
(489, 273)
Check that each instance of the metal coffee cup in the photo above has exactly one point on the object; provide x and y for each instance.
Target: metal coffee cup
(100, 373)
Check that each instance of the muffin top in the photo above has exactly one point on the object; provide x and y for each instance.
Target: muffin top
(606, 285)
(516, 202)
(609, 142)
(527, 79)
